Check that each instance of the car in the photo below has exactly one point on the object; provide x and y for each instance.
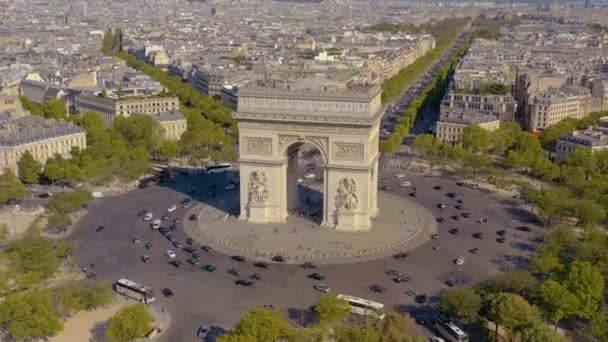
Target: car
(149, 245)
(321, 288)
(451, 195)
(400, 255)
(437, 187)
(501, 240)
(189, 249)
(309, 266)
(255, 276)
(478, 235)
(238, 258)
(142, 213)
(458, 206)
(405, 184)
(190, 241)
(209, 268)
(177, 244)
(278, 258)
(203, 331)
(401, 279)
(234, 271)
(170, 237)
(393, 273)
(316, 276)
(136, 240)
(155, 224)
(459, 261)
(197, 255)
(400, 175)
(185, 200)
(192, 217)
(261, 264)
(167, 292)
(146, 258)
(230, 187)
(170, 254)
(421, 298)
(420, 320)
(441, 206)
(173, 227)
(176, 263)
(460, 200)
(501, 232)
(377, 288)
(186, 205)
(524, 229)
(440, 219)
(455, 217)
(164, 231)
(194, 261)
(207, 248)
(435, 236)
(436, 339)
(176, 220)
(385, 187)
(454, 231)
(474, 250)
(147, 216)
(101, 228)
(466, 215)
(244, 282)
(413, 194)
(309, 176)
(172, 208)
(166, 216)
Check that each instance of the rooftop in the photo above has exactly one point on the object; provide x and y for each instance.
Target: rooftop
(29, 129)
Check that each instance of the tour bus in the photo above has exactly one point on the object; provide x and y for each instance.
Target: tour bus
(131, 289)
(219, 168)
(362, 306)
(449, 330)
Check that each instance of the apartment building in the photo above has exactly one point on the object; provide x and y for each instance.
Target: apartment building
(173, 123)
(40, 92)
(547, 108)
(10, 103)
(451, 124)
(111, 108)
(42, 138)
(594, 138)
(210, 82)
(230, 97)
(501, 106)
(599, 90)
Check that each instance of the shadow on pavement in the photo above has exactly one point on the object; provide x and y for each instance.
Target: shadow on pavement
(302, 316)
(524, 216)
(98, 332)
(215, 332)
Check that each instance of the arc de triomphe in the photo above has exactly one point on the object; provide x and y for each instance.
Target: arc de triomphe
(343, 123)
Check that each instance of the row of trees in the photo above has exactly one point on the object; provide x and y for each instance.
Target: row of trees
(566, 280)
(444, 32)
(50, 109)
(264, 324)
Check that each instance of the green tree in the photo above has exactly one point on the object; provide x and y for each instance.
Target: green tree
(537, 331)
(331, 309)
(556, 301)
(235, 338)
(462, 303)
(120, 93)
(139, 131)
(129, 324)
(477, 161)
(264, 325)
(3, 231)
(30, 315)
(53, 169)
(511, 310)
(103, 94)
(520, 282)
(29, 168)
(79, 295)
(475, 138)
(585, 282)
(11, 189)
(397, 328)
(545, 264)
(54, 109)
(584, 159)
(30, 106)
(425, 144)
(168, 149)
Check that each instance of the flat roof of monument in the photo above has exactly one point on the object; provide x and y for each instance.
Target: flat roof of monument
(311, 88)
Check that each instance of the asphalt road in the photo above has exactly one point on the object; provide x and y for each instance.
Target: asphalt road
(213, 298)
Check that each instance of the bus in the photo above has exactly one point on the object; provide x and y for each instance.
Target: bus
(449, 330)
(219, 168)
(134, 290)
(364, 307)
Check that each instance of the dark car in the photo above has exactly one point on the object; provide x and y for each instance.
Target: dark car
(192, 217)
(458, 206)
(501, 232)
(412, 194)
(460, 200)
(177, 244)
(393, 273)
(238, 258)
(474, 250)
(189, 249)
(244, 282)
(167, 292)
(466, 215)
(278, 258)
(234, 271)
(209, 268)
(454, 231)
(421, 298)
(309, 266)
(197, 255)
(189, 241)
(142, 213)
(166, 217)
(261, 264)
(255, 276)
(435, 236)
(185, 200)
(478, 235)
(400, 255)
(451, 195)
(501, 240)
(207, 249)
(524, 229)
(455, 217)
(440, 219)
(176, 263)
(316, 276)
(377, 288)
(101, 228)
(176, 220)
(146, 258)
(437, 187)
(164, 231)
(149, 245)
(420, 320)
(195, 261)
(402, 279)
(173, 227)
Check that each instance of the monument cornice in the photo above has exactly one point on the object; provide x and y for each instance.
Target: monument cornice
(328, 118)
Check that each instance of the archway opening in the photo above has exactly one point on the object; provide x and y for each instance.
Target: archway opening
(305, 182)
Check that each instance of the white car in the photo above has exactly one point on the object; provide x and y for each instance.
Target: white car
(436, 339)
(230, 187)
(170, 254)
(400, 175)
(148, 217)
(203, 331)
(300, 180)
(459, 261)
(309, 176)
(321, 288)
(171, 208)
(155, 224)
(405, 184)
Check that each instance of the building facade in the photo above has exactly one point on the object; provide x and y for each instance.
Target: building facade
(593, 138)
(210, 82)
(547, 108)
(501, 106)
(451, 124)
(173, 123)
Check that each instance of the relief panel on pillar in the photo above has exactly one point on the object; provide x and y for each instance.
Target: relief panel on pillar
(260, 146)
(348, 151)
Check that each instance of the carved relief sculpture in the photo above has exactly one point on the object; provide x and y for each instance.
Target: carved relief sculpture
(258, 187)
(259, 146)
(347, 196)
(348, 151)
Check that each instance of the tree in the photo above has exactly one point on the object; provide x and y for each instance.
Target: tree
(462, 303)
(53, 169)
(264, 325)
(29, 168)
(168, 149)
(104, 94)
(30, 106)
(584, 159)
(511, 310)
(477, 161)
(54, 109)
(129, 324)
(556, 301)
(139, 131)
(545, 264)
(3, 231)
(425, 144)
(235, 338)
(79, 295)
(397, 328)
(520, 282)
(30, 315)
(331, 309)
(11, 189)
(588, 212)
(475, 138)
(584, 280)
(120, 93)
(537, 331)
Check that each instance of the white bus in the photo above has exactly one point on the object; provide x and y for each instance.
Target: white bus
(219, 168)
(134, 290)
(449, 330)
(364, 307)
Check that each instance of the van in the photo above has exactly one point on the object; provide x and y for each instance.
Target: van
(148, 216)
(156, 224)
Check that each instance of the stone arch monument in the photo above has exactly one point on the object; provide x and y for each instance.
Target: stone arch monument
(274, 120)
